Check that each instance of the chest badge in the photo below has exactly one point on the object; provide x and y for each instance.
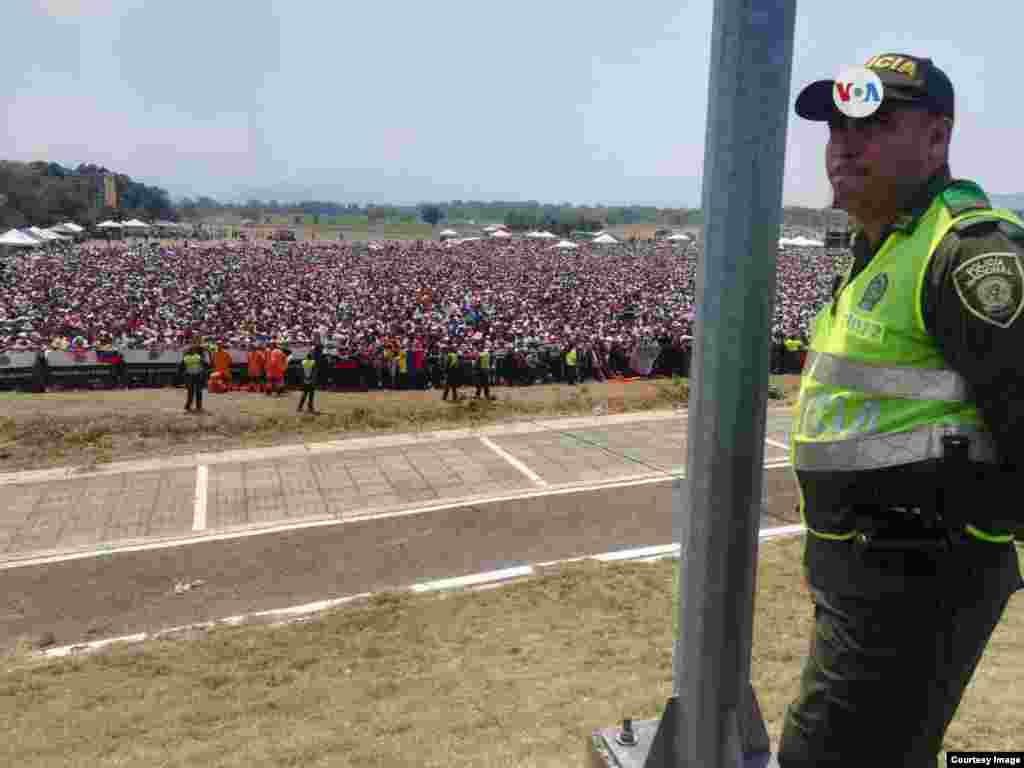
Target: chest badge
(874, 292)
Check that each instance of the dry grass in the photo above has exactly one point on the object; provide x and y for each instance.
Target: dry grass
(516, 676)
(89, 428)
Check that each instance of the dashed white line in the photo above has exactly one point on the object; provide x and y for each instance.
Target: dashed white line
(533, 476)
(202, 482)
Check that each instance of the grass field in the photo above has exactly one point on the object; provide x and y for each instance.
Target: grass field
(516, 676)
(85, 428)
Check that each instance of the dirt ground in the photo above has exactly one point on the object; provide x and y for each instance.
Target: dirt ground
(86, 428)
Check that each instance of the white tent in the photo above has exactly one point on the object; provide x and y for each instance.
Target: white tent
(679, 236)
(448, 233)
(68, 228)
(547, 235)
(564, 244)
(604, 238)
(42, 234)
(494, 227)
(18, 239)
(806, 242)
(500, 233)
(109, 225)
(135, 224)
(800, 242)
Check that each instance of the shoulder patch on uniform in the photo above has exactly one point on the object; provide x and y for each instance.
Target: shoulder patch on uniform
(963, 196)
(991, 287)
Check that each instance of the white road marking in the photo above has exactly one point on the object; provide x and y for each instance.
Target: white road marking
(636, 554)
(533, 476)
(776, 444)
(476, 582)
(107, 549)
(202, 482)
(475, 579)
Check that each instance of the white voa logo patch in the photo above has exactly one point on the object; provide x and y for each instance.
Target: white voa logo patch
(857, 92)
(991, 287)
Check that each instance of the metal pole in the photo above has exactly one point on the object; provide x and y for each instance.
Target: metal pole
(751, 60)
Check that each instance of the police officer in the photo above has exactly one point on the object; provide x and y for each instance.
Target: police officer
(483, 373)
(570, 364)
(194, 366)
(309, 377)
(452, 374)
(908, 432)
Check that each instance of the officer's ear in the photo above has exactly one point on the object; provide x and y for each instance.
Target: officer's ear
(939, 133)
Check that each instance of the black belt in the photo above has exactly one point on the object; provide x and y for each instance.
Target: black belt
(905, 528)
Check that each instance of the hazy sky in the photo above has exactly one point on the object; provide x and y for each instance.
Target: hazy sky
(410, 101)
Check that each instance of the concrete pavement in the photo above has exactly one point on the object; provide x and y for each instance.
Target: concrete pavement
(97, 553)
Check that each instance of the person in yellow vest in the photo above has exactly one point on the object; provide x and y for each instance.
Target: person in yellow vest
(193, 367)
(452, 374)
(908, 435)
(309, 375)
(570, 365)
(483, 373)
(403, 366)
(792, 346)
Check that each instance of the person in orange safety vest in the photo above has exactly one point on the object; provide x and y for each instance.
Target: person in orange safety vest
(257, 360)
(277, 364)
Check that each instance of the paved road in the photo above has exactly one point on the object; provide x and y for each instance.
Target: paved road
(86, 556)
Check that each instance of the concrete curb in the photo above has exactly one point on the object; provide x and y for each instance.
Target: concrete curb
(472, 582)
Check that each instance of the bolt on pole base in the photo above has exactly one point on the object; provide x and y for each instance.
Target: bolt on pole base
(654, 742)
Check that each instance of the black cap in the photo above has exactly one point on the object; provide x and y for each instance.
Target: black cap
(905, 78)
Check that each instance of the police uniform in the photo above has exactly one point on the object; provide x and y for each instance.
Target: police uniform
(906, 440)
(452, 375)
(309, 377)
(483, 374)
(194, 366)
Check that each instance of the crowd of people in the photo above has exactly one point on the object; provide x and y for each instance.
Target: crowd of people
(613, 305)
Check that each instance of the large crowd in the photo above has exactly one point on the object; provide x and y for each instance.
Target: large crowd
(608, 301)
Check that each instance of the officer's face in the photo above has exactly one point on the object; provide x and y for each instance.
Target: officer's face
(874, 162)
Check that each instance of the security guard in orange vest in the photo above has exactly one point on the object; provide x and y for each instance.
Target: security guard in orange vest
(908, 434)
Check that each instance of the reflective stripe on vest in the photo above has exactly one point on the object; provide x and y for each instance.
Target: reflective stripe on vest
(887, 381)
(889, 449)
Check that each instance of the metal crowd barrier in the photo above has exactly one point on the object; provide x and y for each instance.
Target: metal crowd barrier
(21, 370)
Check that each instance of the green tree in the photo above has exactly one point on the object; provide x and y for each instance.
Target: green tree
(431, 213)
